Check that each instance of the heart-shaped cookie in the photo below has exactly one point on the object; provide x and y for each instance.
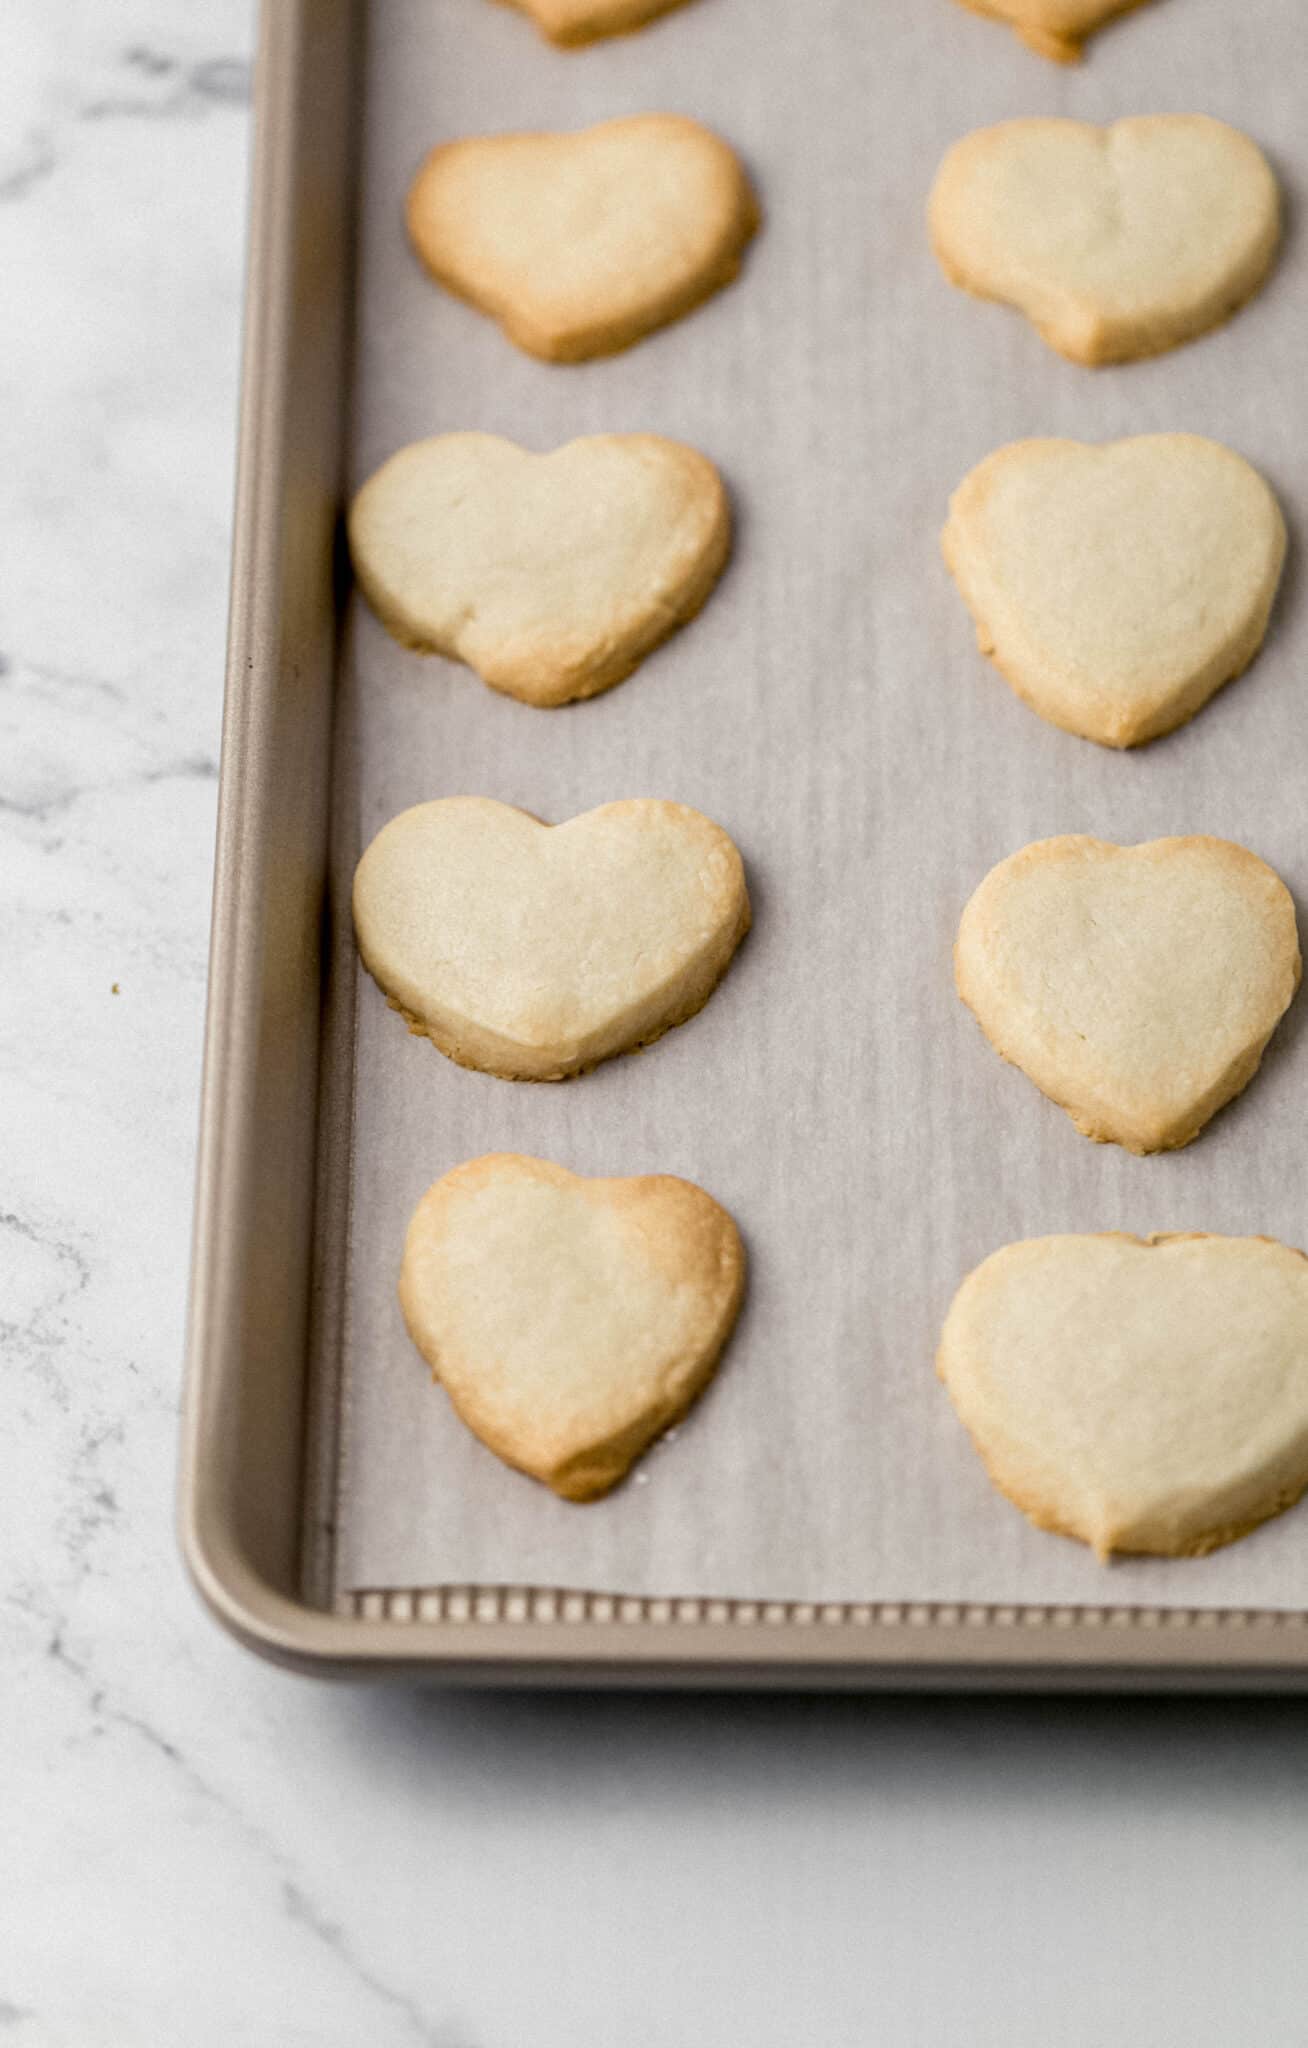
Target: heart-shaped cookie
(1117, 588)
(1054, 28)
(586, 21)
(569, 1320)
(535, 951)
(1135, 985)
(1115, 242)
(1141, 1394)
(552, 576)
(580, 243)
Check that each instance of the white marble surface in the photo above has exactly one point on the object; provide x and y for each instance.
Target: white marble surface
(194, 1848)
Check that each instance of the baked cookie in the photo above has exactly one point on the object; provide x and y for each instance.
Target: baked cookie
(534, 951)
(553, 576)
(1115, 242)
(578, 244)
(1137, 986)
(570, 1321)
(1140, 1394)
(571, 22)
(1117, 588)
(1054, 28)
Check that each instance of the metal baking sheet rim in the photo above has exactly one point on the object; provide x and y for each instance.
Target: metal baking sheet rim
(246, 1555)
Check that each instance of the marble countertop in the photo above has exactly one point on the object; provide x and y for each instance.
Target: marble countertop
(196, 1848)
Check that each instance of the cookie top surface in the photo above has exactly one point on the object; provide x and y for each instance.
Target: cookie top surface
(1115, 242)
(533, 951)
(572, 22)
(579, 243)
(1140, 1394)
(1054, 28)
(1135, 985)
(1118, 586)
(551, 575)
(569, 1319)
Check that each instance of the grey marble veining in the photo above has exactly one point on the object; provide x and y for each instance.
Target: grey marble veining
(194, 1849)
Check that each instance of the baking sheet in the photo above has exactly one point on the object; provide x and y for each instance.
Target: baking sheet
(830, 710)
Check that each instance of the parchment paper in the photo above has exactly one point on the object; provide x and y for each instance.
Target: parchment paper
(830, 709)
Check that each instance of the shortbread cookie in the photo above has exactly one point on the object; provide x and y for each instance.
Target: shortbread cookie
(1117, 588)
(1140, 1394)
(1137, 986)
(578, 244)
(552, 576)
(535, 951)
(1054, 28)
(569, 1320)
(585, 21)
(1115, 242)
